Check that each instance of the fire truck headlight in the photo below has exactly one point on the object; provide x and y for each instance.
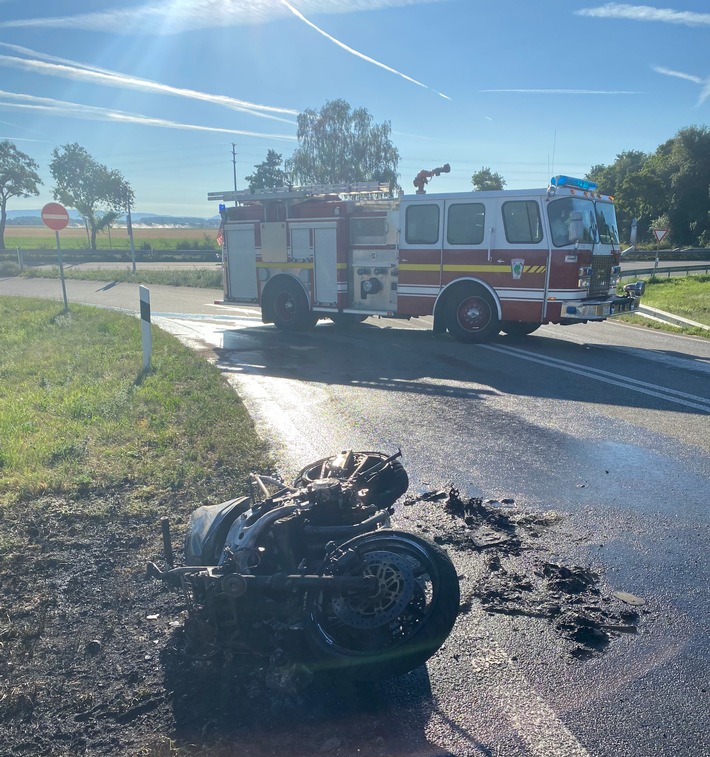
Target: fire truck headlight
(585, 277)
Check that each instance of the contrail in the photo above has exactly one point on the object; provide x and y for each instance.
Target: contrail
(704, 83)
(94, 113)
(358, 54)
(567, 91)
(68, 69)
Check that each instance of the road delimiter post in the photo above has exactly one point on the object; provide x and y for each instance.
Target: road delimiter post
(145, 326)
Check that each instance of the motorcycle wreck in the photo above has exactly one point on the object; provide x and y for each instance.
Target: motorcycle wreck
(315, 570)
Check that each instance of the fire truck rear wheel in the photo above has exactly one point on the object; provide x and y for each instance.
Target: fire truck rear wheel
(289, 306)
(471, 315)
(518, 328)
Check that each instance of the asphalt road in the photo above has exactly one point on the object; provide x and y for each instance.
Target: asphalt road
(607, 425)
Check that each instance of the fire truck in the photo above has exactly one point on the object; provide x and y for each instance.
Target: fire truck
(479, 262)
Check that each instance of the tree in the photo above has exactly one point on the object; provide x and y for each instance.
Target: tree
(269, 173)
(338, 144)
(485, 180)
(18, 178)
(683, 163)
(88, 186)
(674, 180)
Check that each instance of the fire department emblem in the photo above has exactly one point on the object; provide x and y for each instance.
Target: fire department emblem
(516, 266)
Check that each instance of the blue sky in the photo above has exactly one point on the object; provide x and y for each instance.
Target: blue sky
(161, 89)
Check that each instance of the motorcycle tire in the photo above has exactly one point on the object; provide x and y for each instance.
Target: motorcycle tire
(389, 485)
(375, 637)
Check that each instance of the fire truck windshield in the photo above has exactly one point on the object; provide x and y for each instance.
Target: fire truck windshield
(565, 212)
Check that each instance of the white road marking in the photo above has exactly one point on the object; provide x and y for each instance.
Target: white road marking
(533, 719)
(643, 387)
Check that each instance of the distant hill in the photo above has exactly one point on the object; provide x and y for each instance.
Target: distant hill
(33, 218)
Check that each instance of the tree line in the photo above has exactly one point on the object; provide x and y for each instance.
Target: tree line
(95, 191)
(665, 189)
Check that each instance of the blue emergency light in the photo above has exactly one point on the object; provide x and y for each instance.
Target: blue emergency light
(570, 181)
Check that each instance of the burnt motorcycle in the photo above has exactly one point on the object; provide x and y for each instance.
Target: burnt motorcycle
(315, 569)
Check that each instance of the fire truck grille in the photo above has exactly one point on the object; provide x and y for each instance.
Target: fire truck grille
(601, 275)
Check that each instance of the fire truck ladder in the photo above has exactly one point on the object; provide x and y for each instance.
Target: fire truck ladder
(368, 189)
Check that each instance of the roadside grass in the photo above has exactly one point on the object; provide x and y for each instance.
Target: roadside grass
(42, 238)
(207, 278)
(79, 417)
(685, 296)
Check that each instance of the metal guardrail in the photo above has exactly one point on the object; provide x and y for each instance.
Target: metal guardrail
(668, 270)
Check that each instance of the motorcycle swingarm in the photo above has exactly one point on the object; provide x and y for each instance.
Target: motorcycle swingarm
(237, 584)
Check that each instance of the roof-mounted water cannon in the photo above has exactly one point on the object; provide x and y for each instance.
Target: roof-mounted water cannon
(423, 177)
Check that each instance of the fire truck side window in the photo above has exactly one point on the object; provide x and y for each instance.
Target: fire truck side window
(521, 219)
(465, 223)
(422, 224)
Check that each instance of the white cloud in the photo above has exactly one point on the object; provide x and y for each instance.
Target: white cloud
(646, 13)
(356, 53)
(176, 16)
(76, 110)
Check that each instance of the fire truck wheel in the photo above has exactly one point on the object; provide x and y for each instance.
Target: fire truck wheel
(289, 306)
(471, 315)
(518, 328)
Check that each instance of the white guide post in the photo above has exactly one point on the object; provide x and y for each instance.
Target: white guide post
(145, 326)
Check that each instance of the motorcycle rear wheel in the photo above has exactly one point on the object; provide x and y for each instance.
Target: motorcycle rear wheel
(395, 630)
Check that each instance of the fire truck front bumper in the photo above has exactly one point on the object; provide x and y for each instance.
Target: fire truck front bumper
(599, 310)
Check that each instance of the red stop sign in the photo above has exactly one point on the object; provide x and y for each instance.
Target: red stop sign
(55, 216)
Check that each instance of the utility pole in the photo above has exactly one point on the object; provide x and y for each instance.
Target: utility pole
(234, 166)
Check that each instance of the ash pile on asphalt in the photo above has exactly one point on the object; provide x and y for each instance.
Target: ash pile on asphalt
(93, 660)
(519, 577)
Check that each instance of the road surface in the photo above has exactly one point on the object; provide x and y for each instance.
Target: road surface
(607, 426)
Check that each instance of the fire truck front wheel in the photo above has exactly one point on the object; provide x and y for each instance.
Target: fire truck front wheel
(287, 306)
(471, 315)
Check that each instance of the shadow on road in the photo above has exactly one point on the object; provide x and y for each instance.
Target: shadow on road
(419, 362)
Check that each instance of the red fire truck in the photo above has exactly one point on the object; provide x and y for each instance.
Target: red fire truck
(479, 262)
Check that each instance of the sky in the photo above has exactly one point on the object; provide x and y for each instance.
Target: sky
(174, 93)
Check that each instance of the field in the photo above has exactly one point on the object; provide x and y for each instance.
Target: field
(40, 237)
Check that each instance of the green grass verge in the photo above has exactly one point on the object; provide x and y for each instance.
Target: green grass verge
(78, 416)
(185, 277)
(685, 296)
(203, 241)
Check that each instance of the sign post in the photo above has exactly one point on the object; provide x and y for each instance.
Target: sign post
(55, 217)
(659, 234)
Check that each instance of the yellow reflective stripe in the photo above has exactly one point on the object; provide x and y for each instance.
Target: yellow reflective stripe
(452, 268)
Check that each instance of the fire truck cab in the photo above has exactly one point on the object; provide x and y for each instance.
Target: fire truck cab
(479, 262)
